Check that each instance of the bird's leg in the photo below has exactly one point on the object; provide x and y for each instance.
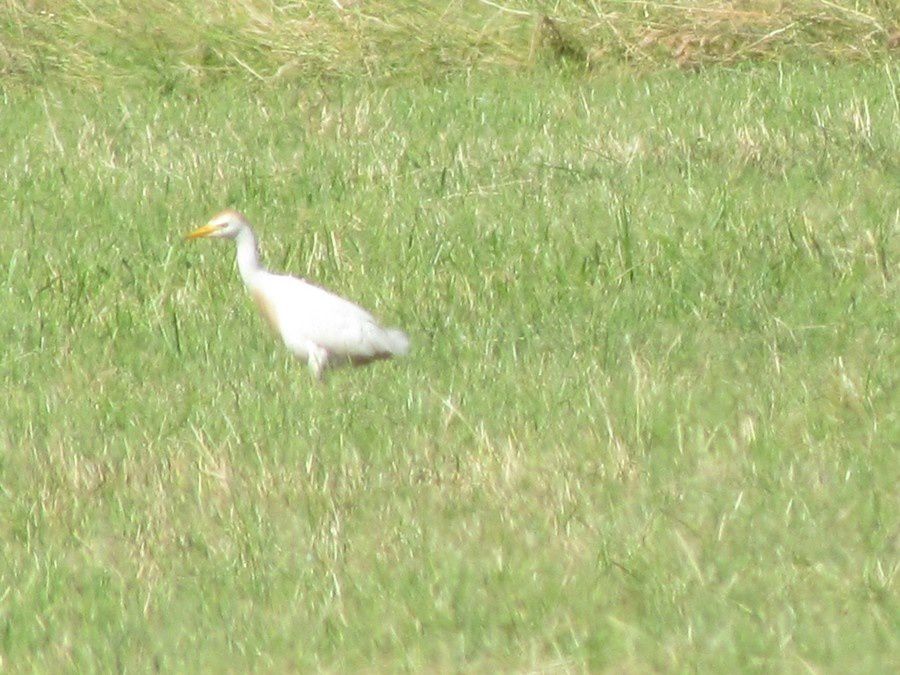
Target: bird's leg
(318, 361)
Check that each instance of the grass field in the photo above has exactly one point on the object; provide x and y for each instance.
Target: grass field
(651, 418)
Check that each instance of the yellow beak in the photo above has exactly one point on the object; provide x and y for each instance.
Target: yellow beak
(204, 231)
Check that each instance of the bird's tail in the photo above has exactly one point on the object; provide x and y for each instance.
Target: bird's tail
(396, 341)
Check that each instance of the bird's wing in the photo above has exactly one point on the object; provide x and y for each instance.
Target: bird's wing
(307, 313)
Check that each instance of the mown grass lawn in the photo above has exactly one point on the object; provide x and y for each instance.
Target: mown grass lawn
(650, 421)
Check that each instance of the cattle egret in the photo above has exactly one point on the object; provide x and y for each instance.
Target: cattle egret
(318, 326)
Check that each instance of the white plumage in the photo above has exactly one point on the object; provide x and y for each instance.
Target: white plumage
(318, 326)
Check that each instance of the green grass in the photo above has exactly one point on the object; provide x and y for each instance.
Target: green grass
(178, 43)
(650, 421)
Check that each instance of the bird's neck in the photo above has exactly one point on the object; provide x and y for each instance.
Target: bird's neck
(247, 255)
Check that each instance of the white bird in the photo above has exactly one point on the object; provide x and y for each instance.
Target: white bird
(318, 326)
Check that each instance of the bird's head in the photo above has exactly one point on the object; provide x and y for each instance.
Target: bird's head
(224, 225)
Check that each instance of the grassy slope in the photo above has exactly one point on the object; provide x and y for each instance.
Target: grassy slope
(173, 43)
(650, 422)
